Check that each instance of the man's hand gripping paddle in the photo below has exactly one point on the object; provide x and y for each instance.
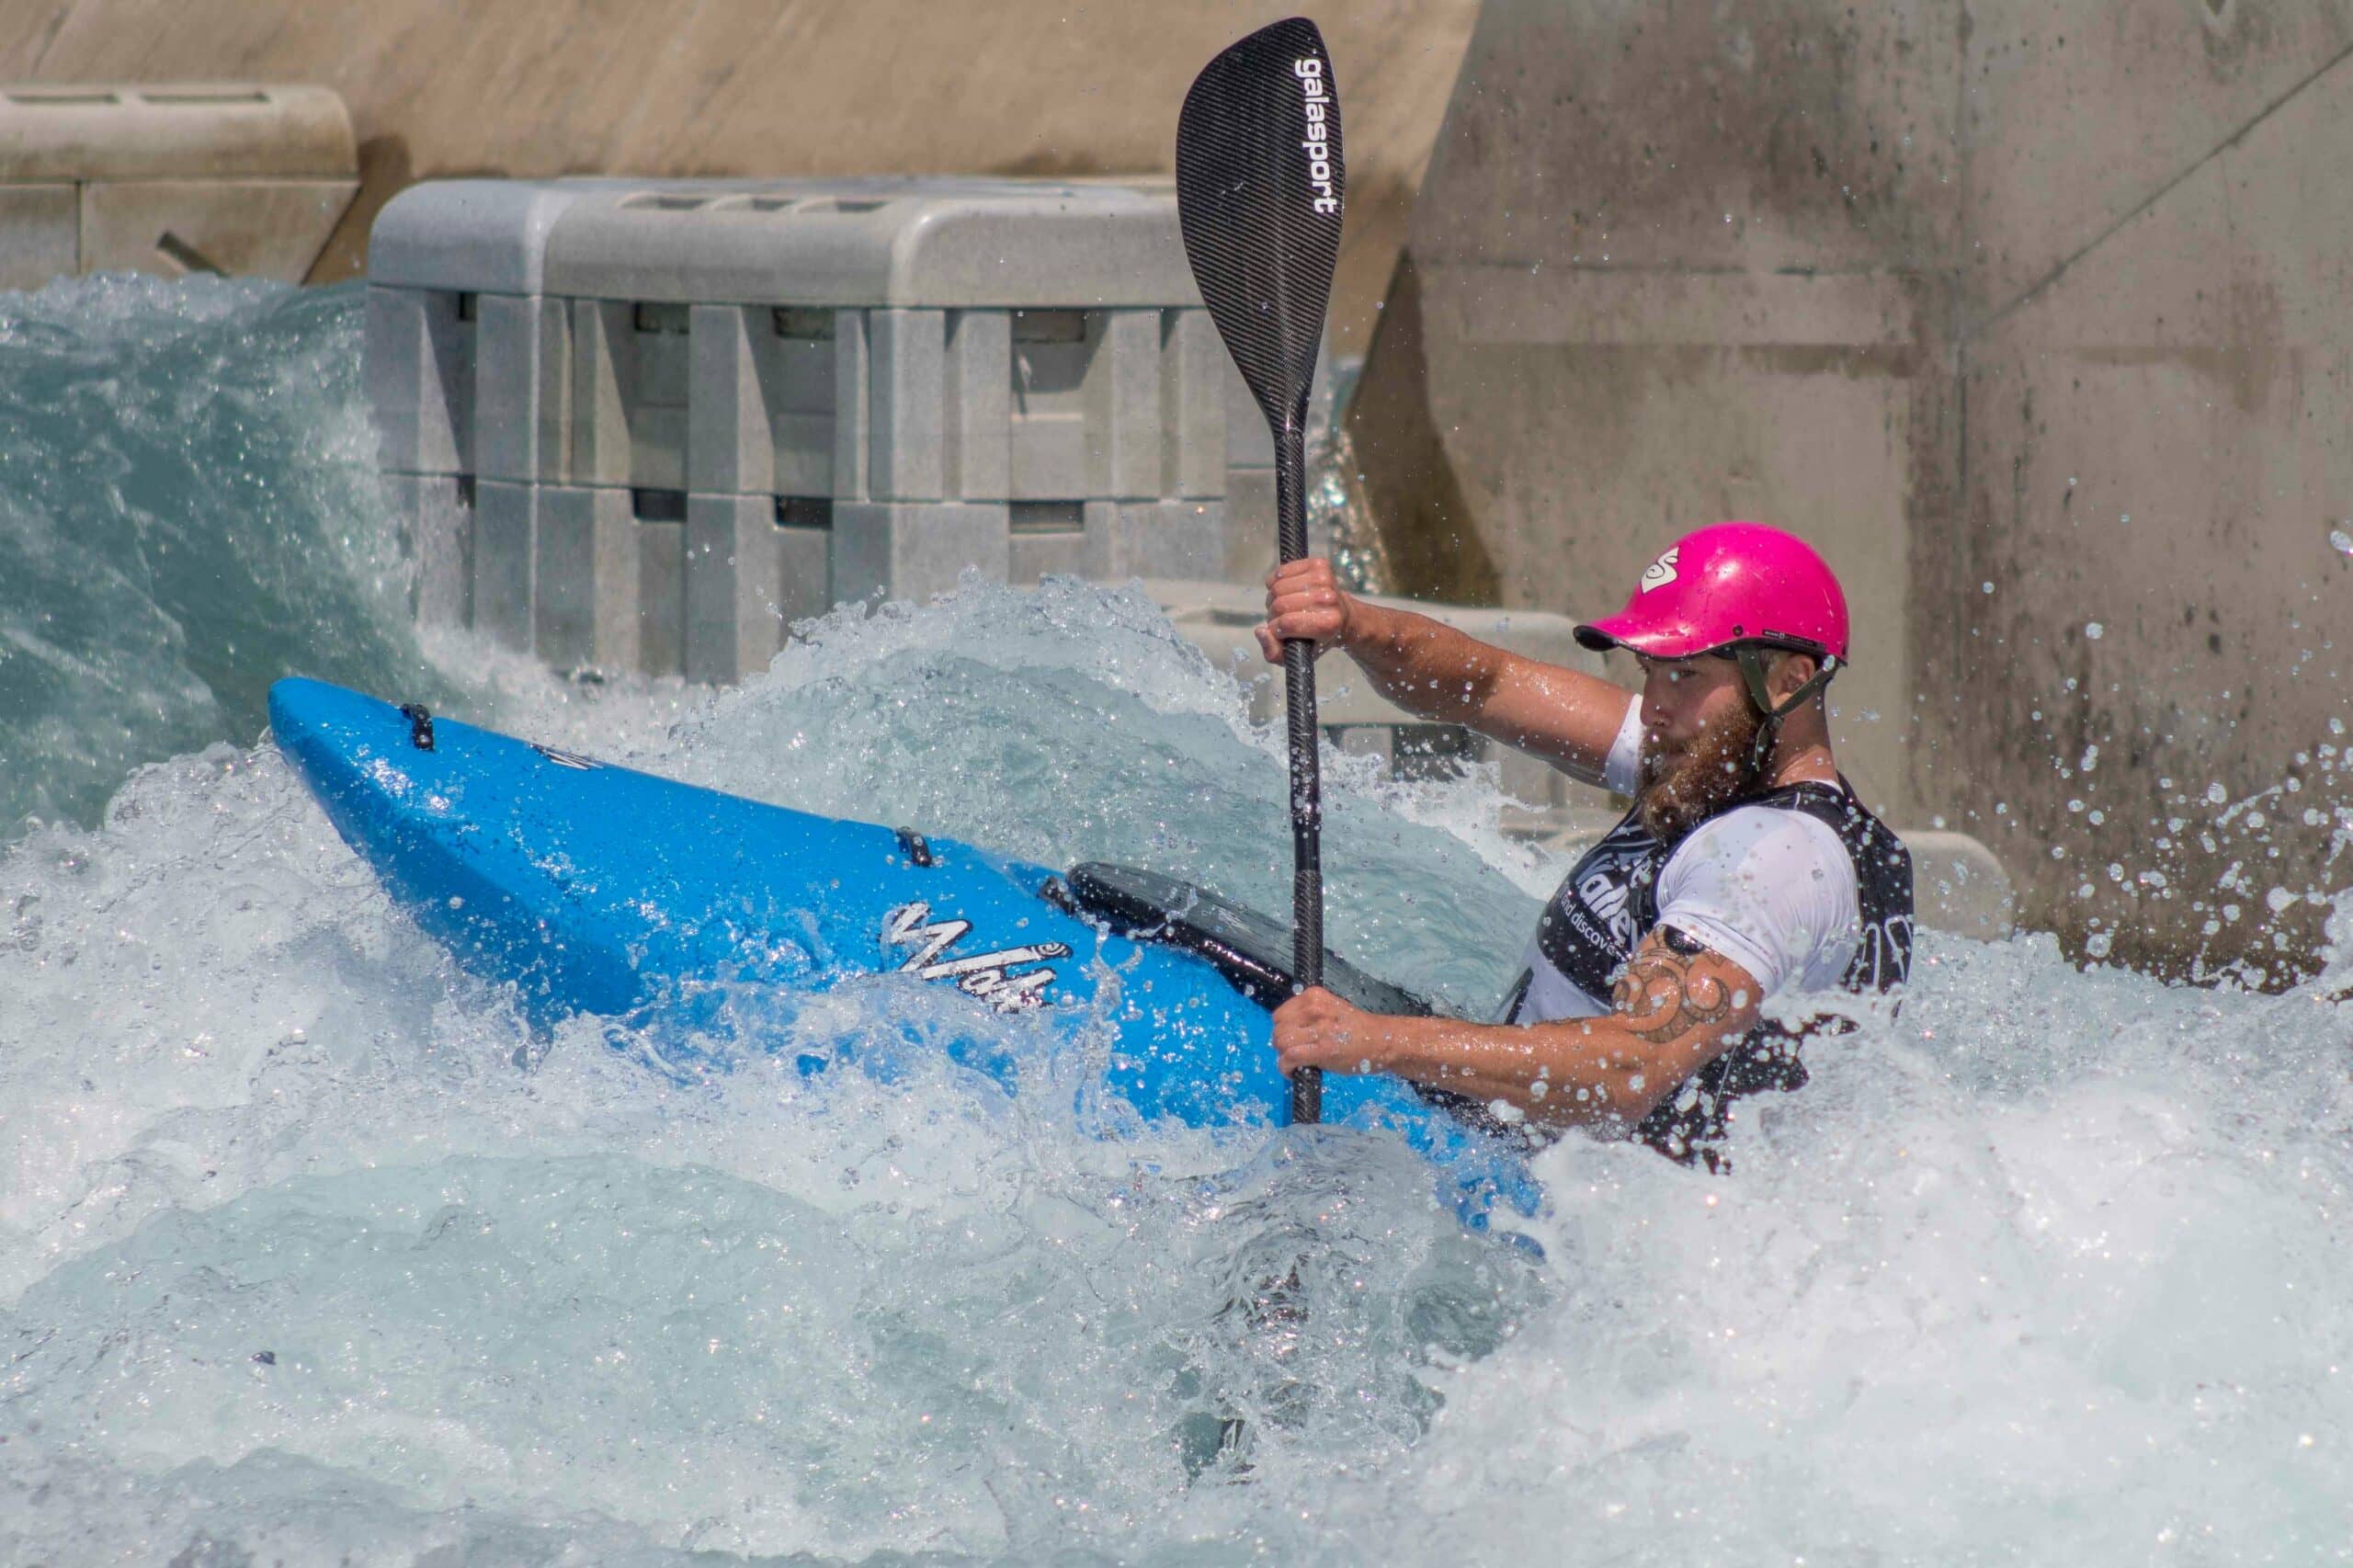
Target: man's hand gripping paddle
(1258, 195)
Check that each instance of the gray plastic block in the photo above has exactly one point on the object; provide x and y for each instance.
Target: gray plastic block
(660, 597)
(1155, 539)
(730, 446)
(734, 624)
(907, 551)
(1376, 741)
(1054, 356)
(924, 241)
(1035, 557)
(436, 518)
(419, 366)
(629, 394)
(798, 356)
(1123, 407)
(1249, 443)
(40, 233)
(505, 537)
(804, 559)
(600, 346)
(1250, 540)
(585, 579)
(1193, 368)
(1963, 886)
(908, 353)
(488, 235)
(979, 404)
(853, 406)
(523, 376)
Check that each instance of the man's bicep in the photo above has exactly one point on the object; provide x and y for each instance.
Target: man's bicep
(1687, 1002)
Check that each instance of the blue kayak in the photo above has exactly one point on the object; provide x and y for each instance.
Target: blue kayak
(599, 890)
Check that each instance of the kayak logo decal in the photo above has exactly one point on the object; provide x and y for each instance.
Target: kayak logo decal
(1660, 572)
(986, 975)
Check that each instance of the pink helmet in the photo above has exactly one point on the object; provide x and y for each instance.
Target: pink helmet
(1726, 585)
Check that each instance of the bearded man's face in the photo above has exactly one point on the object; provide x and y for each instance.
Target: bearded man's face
(1698, 729)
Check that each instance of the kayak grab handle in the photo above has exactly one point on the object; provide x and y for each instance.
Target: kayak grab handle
(420, 724)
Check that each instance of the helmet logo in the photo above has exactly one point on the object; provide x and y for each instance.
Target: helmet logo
(1660, 572)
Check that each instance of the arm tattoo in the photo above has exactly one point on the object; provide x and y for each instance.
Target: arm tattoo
(1661, 998)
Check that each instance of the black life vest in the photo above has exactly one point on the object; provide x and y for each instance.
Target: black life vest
(1610, 902)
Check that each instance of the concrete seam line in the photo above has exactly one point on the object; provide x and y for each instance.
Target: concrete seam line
(2235, 137)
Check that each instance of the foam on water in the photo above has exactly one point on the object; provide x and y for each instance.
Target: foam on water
(310, 1252)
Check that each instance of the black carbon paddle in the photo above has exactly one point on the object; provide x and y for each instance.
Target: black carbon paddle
(1258, 195)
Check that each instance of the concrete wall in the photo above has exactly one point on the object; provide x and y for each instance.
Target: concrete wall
(538, 88)
(2029, 314)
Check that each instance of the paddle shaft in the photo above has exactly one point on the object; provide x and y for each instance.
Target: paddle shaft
(1306, 776)
(1260, 182)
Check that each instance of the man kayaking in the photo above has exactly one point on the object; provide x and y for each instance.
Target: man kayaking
(1747, 866)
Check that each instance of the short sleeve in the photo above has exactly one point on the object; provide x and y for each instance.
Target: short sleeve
(1621, 772)
(1771, 890)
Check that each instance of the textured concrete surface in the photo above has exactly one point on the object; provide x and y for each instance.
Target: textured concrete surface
(535, 88)
(2029, 315)
(249, 179)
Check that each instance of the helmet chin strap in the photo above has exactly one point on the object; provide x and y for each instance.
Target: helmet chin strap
(1750, 657)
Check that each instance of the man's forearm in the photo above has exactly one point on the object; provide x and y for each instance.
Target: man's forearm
(1562, 1075)
(1423, 666)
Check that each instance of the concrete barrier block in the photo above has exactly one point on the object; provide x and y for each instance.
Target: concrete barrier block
(522, 358)
(853, 406)
(952, 243)
(1123, 414)
(979, 404)
(600, 348)
(1249, 442)
(628, 395)
(903, 551)
(1048, 538)
(419, 366)
(908, 352)
(661, 596)
(506, 517)
(40, 235)
(1155, 539)
(486, 234)
(1250, 544)
(1958, 885)
(734, 624)
(585, 579)
(730, 445)
(1531, 779)
(798, 357)
(249, 228)
(1053, 364)
(1193, 366)
(166, 130)
(804, 559)
(435, 514)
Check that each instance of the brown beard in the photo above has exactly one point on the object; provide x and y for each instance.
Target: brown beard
(1677, 797)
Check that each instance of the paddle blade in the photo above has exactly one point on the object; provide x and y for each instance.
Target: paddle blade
(1259, 189)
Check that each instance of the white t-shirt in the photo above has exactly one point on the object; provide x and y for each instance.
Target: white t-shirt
(1771, 890)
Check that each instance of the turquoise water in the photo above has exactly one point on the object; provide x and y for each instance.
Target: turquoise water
(185, 511)
(311, 1253)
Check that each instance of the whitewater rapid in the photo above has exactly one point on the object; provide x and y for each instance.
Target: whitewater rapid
(312, 1252)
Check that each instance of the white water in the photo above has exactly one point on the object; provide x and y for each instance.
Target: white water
(309, 1254)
